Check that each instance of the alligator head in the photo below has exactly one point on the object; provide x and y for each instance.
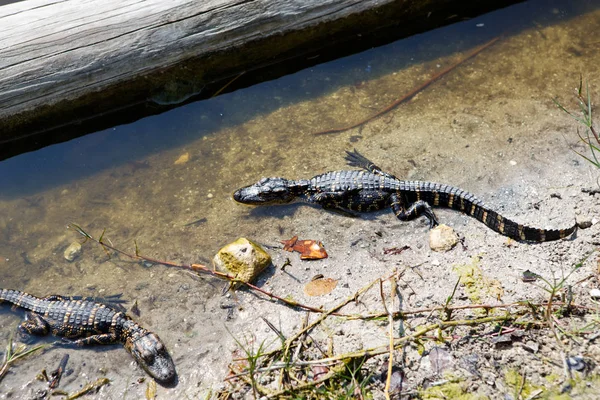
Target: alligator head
(266, 191)
(152, 356)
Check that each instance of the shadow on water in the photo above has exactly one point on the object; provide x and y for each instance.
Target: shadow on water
(58, 164)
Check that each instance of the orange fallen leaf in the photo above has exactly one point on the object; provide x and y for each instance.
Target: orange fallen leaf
(308, 249)
(320, 287)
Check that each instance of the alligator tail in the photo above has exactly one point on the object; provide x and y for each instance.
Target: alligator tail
(510, 228)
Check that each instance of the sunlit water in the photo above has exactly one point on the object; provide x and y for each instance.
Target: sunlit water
(126, 180)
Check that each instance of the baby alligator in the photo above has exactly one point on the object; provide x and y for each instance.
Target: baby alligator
(373, 189)
(92, 323)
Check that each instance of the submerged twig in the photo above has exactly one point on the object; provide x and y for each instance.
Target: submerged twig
(58, 372)
(413, 92)
(235, 78)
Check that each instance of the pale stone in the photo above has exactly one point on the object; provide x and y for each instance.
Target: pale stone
(595, 294)
(583, 222)
(442, 238)
(185, 157)
(243, 259)
(72, 252)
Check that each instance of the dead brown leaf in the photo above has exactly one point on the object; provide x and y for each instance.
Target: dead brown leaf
(320, 287)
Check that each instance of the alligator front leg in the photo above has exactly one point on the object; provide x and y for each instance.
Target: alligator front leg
(34, 325)
(332, 201)
(416, 209)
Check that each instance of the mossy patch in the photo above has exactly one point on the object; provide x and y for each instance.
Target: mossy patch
(586, 387)
(477, 285)
(451, 390)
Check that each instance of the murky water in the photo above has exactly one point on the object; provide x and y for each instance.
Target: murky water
(127, 180)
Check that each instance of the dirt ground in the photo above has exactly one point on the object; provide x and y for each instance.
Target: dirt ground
(489, 127)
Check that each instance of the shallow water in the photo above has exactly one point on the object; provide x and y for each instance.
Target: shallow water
(464, 129)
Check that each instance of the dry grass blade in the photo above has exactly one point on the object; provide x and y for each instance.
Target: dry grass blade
(388, 381)
(151, 390)
(12, 355)
(89, 388)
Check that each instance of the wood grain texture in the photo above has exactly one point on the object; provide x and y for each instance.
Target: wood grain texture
(59, 49)
(65, 61)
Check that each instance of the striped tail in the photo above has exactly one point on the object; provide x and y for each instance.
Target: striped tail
(441, 195)
(18, 298)
(513, 230)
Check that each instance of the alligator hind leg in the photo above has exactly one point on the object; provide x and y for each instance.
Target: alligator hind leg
(355, 159)
(416, 209)
(103, 338)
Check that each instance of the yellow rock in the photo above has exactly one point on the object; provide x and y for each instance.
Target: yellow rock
(185, 157)
(244, 259)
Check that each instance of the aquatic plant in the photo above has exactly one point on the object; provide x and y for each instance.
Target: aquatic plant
(590, 138)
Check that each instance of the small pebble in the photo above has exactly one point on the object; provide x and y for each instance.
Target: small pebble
(583, 222)
(576, 363)
(595, 294)
(72, 252)
(531, 346)
(502, 339)
(184, 158)
(442, 238)
(512, 162)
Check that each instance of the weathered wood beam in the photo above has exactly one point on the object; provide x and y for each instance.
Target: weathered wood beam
(69, 67)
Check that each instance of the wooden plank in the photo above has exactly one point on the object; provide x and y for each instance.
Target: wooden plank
(67, 63)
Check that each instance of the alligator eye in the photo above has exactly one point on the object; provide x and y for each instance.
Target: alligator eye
(279, 189)
(148, 356)
(263, 181)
